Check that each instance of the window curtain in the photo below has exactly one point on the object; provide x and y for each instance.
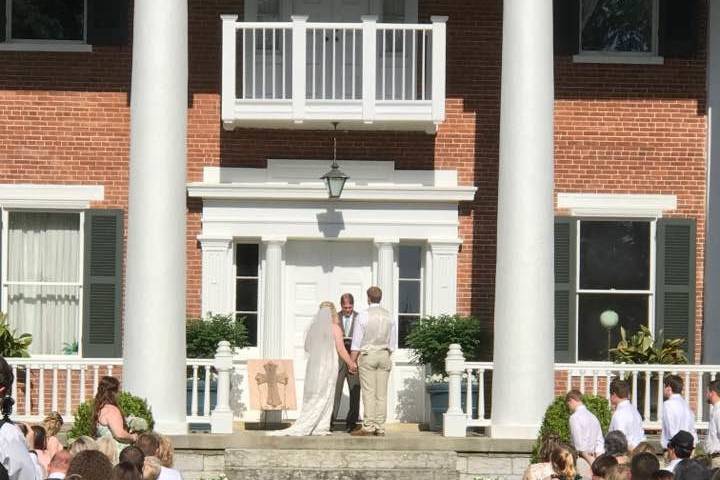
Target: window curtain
(44, 247)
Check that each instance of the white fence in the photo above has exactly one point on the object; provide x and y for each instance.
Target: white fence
(364, 72)
(646, 382)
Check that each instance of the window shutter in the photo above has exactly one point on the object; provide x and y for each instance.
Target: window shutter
(3, 20)
(677, 28)
(565, 235)
(675, 284)
(107, 22)
(566, 26)
(102, 285)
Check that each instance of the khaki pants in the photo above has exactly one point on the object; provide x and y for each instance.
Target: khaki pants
(715, 462)
(374, 368)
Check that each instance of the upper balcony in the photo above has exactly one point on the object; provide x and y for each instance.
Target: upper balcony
(299, 74)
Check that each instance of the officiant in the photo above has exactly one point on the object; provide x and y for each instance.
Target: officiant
(348, 316)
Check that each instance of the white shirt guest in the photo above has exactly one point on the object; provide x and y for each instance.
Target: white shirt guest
(676, 416)
(15, 456)
(712, 441)
(627, 419)
(585, 430)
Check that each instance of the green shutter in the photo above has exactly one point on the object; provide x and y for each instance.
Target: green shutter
(566, 27)
(108, 22)
(565, 235)
(675, 284)
(678, 28)
(3, 20)
(102, 285)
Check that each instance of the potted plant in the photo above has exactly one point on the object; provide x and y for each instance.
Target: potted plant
(12, 344)
(429, 340)
(202, 336)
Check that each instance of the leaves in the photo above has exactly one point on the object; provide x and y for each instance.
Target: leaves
(642, 347)
(129, 404)
(10, 344)
(431, 337)
(203, 335)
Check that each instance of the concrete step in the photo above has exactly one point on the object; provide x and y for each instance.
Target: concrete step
(292, 464)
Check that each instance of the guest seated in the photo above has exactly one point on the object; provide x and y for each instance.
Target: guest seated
(563, 464)
(90, 465)
(543, 469)
(690, 469)
(616, 445)
(680, 447)
(134, 456)
(109, 448)
(40, 446)
(152, 468)
(150, 444)
(602, 465)
(125, 471)
(82, 444)
(59, 465)
(53, 423)
(662, 475)
(642, 447)
(644, 465)
(619, 472)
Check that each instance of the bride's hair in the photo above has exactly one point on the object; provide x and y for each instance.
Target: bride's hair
(333, 310)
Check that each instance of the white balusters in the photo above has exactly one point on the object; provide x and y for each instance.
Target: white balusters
(68, 391)
(54, 399)
(206, 397)
(646, 407)
(595, 382)
(41, 391)
(82, 383)
(468, 393)
(635, 388)
(194, 393)
(481, 393)
(96, 378)
(699, 397)
(27, 390)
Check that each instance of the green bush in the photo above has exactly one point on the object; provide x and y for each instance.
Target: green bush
(11, 344)
(203, 335)
(129, 405)
(431, 337)
(557, 419)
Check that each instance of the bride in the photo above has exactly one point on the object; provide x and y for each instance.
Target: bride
(323, 344)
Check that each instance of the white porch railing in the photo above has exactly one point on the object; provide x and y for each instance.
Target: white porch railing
(647, 389)
(45, 385)
(291, 73)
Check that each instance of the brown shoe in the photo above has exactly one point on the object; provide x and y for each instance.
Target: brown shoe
(361, 432)
(379, 433)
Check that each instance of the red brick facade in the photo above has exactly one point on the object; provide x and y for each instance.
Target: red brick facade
(64, 118)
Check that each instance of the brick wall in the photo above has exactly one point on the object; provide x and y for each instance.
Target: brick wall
(64, 118)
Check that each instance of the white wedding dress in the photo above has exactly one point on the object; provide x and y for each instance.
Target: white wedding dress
(320, 378)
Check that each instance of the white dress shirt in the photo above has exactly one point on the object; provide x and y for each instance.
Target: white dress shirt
(56, 476)
(347, 324)
(676, 416)
(15, 456)
(627, 419)
(586, 432)
(712, 441)
(169, 474)
(359, 331)
(673, 463)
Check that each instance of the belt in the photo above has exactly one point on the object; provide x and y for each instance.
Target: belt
(715, 455)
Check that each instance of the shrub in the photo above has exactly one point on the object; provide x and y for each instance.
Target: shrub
(12, 344)
(557, 419)
(203, 335)
(130, 405)
(431, 337)
(642, 347)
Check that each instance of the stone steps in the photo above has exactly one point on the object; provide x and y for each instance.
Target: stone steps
(294, 464)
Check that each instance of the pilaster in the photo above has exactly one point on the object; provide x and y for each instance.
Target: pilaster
(443, 299)
(217, 274)
(386, 270)
(271, 334)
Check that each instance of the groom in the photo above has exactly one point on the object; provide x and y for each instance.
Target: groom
(373, 341)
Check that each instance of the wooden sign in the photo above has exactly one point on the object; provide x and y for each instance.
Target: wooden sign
(272, 384)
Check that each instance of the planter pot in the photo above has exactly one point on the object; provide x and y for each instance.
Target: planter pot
(201, 395)
(439, 397)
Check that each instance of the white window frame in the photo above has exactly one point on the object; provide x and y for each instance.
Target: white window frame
(285, 8)
(5, 212)
(421, 280)
(236, 277)
(651, 291)
(594, 56)
(24, 44)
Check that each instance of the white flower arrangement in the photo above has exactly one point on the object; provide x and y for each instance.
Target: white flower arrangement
(439, 378)
(136, 424)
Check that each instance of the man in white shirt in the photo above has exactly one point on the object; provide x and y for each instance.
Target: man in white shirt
(712, 441)
(14, 454)
(680, 447)
(676, 413)
(348, 318)
(374, 339)
(626, 417)
(585, 430)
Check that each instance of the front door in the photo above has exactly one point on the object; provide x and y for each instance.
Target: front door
(318, 271)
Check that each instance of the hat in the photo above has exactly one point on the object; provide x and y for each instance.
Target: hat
(683, 440)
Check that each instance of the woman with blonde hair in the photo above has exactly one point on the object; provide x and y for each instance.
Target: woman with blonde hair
(619, 472)
(543, 469)
(151, 468)
(108, 446)
(563, 464)
(165, 451)
(81, 444)
(53, 422)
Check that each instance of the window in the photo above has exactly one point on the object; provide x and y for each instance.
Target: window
(42, 20)
(613, 273)
(246, 287)
(43, 284)
(410, 290)
(620, 26)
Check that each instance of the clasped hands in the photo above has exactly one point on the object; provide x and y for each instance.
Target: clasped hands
(353, 368)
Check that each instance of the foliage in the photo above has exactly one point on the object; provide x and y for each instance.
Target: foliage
(431, 337)
(130, 405)
(617, 25)
(11, 344)
(203, 335)
(557, 419)
(71, 348)
(641, 347)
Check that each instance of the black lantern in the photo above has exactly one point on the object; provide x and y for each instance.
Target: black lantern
(335, 179)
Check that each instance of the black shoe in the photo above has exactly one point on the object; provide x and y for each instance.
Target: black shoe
(350, 428)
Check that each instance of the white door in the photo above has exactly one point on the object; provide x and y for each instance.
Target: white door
(317, 271)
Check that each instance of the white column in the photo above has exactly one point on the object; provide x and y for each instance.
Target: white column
(524, 340)
(217, 275)
(154, 332)
(443, 283)
(386, 271)
(271, 335)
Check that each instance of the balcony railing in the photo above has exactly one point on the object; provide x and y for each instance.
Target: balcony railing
(308, 75)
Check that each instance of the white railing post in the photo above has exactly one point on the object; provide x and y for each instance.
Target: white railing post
(439, 40)
(221, 419)
(455, 420)
(369, 66)
(229, 65)
(299, 54)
